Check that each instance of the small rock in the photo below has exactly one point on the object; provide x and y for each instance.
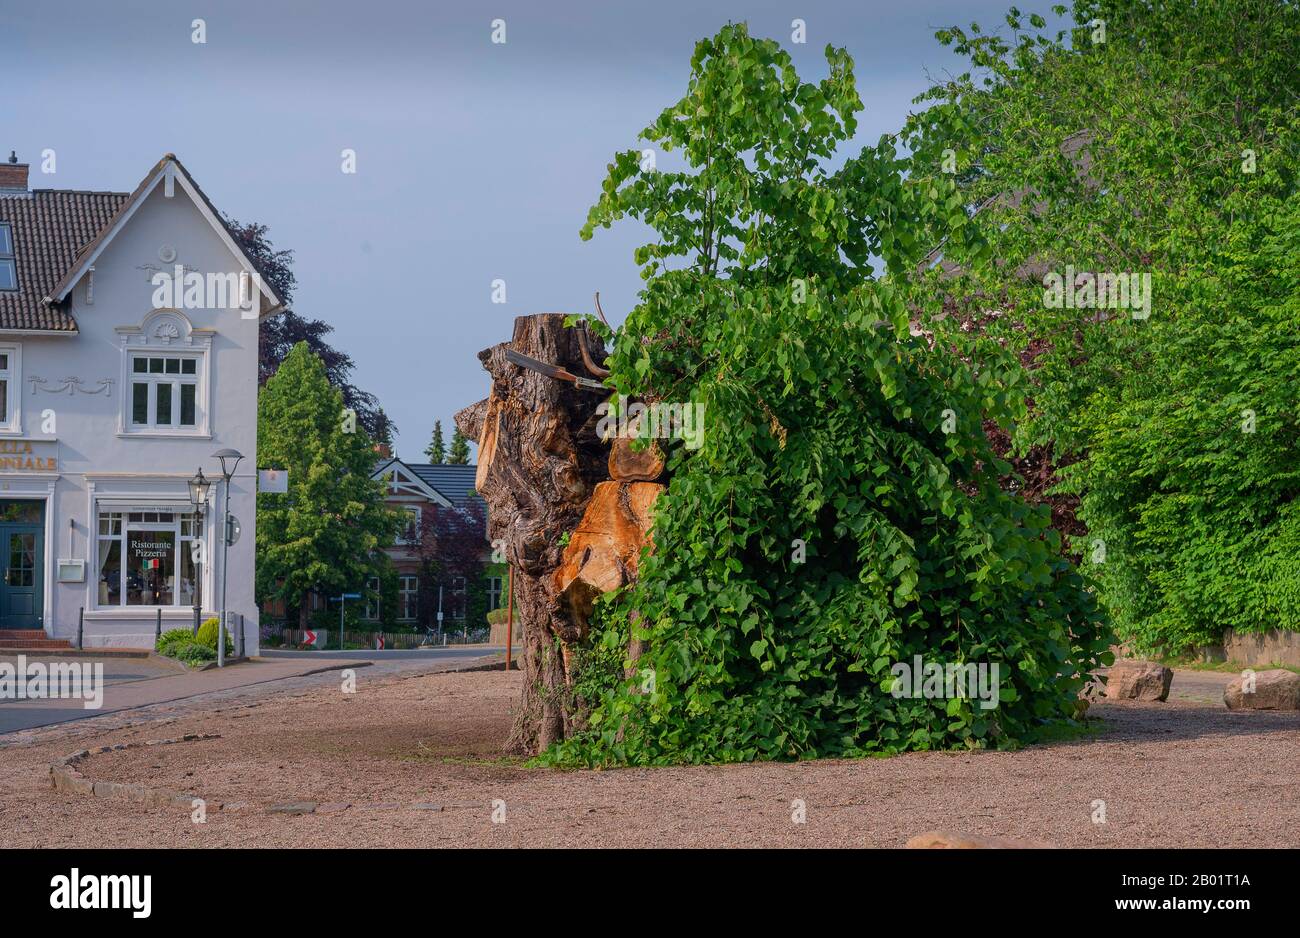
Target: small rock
(424, 806)
(950, 840)
(1138, 680)
(1277, 689)
(293, 807)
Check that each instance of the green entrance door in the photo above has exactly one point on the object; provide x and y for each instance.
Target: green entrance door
(22, 564)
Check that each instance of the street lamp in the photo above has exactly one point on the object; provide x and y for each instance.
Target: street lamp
(199, 487)
(227, 473)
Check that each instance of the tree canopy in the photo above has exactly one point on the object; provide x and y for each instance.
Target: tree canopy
(436, 451)
(843, 512)
(1157, 141)
(324, 535)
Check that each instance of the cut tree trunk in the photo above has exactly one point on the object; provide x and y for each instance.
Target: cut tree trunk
(627, 464)
(604, 549)
(540, 459)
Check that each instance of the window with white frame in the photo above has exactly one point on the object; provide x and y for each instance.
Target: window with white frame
(164, 391)
(408, 597)
(372, 599)
(147, 558)
(10, 387)
(411, 530)
(494, 592)
(8, 266)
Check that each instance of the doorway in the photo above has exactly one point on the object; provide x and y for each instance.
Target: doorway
(22, 564)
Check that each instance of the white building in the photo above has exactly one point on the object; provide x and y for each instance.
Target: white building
(114, 390)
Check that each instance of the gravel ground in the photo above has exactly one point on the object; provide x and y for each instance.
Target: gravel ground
(1186, 773)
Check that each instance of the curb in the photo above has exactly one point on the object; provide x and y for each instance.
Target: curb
(81, 652)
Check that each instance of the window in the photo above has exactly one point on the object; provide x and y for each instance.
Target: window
(494, 592)
(411, 533)
(408, 597)
(147, 558)
(372, 599)
(164, 391)
(10, 388)
(8, 268)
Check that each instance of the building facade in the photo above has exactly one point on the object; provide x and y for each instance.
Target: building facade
(420, 490)
(128, 357)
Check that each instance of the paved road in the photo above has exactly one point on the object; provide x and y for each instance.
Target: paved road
(129, 683)
(441, 655)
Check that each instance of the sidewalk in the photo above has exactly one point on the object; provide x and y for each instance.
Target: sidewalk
(127, 687)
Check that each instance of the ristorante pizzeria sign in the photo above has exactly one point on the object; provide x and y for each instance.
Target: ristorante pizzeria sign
(28, 456)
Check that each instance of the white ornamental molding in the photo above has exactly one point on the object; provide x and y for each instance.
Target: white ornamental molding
(71, 385)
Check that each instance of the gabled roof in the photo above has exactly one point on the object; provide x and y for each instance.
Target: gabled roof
(49, 227)
(445, 483)
(407, 479)
(168, 171)
(456, 483)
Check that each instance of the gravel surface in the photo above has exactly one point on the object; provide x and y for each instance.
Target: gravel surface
(1186, 773)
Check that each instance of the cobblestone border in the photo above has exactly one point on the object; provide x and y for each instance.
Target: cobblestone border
(66, 777)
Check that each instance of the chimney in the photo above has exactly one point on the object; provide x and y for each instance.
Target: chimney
(384, 450)
(13, 174)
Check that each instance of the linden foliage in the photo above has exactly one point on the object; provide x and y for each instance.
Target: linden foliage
(1166, 145)
(843, 512)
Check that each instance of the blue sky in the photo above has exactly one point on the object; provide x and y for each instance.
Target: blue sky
(475, 161)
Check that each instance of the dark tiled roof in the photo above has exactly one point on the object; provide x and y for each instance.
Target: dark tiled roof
(50, 227)
(454, 483)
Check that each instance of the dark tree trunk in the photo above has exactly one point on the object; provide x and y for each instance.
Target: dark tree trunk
(539, 461)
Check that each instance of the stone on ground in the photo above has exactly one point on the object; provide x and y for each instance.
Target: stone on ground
(1277, 689)
(1138, 680)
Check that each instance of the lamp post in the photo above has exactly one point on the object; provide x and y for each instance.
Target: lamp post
(227, 473)
(199, 487)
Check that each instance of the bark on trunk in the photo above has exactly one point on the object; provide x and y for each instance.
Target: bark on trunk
(540, 459)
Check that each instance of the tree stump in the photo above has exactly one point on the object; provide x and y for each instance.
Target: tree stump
(539, 461)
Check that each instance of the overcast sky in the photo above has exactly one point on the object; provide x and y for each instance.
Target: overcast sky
(475, 161)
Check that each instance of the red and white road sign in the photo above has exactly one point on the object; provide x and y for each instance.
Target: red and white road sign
(308, 637)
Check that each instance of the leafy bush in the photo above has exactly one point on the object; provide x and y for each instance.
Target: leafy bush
(170, 639)
(1179, 426)
(182, 646)
(193, 654)
(497, 616)
(842, 512)
(207, 636)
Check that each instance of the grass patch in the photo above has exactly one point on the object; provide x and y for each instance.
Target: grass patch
(1222, 667)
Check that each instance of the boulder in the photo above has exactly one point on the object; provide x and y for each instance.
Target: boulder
(1138, 680)
(951, 840)
(1263, 690)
